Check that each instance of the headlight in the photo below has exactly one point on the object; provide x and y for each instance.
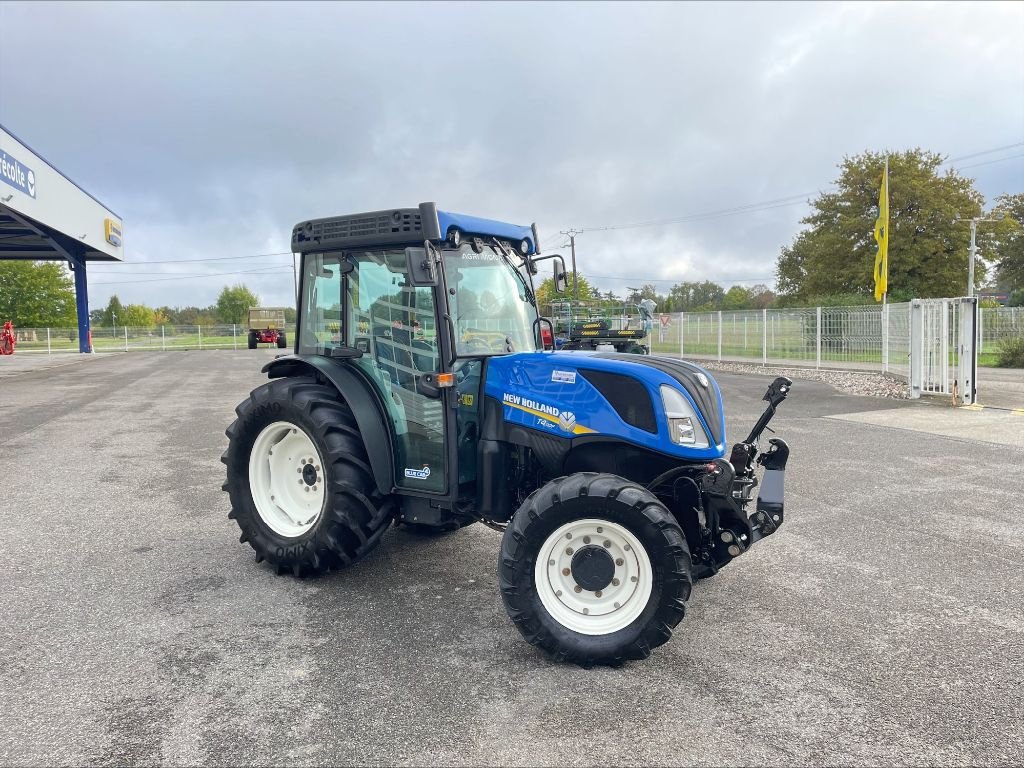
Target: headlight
(684, 427)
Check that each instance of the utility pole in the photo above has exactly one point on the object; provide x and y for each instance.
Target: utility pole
(973, 250)
(572, 244)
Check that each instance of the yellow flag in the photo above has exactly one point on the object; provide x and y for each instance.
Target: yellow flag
(882, 237)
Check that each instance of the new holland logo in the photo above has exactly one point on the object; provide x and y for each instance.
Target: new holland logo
(567, 420)
(418, 474)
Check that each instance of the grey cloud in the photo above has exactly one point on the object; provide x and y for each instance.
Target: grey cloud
(214, 127)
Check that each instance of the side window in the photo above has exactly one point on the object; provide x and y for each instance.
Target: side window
(320, 324)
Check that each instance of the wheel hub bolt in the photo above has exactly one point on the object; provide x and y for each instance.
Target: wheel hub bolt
(627, 547)
(600, 529)
(577, 589)
(586, 611)
(615, 582)
(607, 544)
(568, 535)
(558, 593)
(565, 571)
(598, 593)
(619, 561)
(632, 578)
(586, 539)
(551, 562)
(568, 550)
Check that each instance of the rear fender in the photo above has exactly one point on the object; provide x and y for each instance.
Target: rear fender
(361, 396)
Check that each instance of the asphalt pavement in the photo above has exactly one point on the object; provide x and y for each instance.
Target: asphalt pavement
(881, 625)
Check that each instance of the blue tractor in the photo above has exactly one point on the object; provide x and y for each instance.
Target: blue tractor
(420, 394)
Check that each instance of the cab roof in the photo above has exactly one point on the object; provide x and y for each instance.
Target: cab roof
(404, 226)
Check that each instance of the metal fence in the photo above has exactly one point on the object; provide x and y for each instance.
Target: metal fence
(872, 338)
(824, 337)
(126, 339)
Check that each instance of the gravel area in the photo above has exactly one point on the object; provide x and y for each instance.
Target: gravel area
(854, 382)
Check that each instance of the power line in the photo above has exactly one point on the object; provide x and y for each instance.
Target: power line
(264, 270)
(783, 202)
(984, 152)
(675, 280)
(191, 261)
(989, 162)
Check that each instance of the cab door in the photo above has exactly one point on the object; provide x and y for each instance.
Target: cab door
(392, 322)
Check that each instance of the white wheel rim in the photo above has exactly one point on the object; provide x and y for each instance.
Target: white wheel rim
(286, 479)
(598, 612)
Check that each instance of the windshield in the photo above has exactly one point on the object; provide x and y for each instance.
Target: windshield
(490, 303)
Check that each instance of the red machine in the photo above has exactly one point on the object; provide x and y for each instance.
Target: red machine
(7, 339)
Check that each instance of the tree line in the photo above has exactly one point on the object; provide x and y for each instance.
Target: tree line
(232, 307)
(830, 261)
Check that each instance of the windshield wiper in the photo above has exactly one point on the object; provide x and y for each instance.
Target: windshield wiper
(507, 253)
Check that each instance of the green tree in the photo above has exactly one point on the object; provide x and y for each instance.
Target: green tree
(546, 292)
(927, 247)
(761, 297)
(114, 313)
(696, 297)
(137, 316)
(36, 294)
(234, 302)
(1009, 246)
(736, 297)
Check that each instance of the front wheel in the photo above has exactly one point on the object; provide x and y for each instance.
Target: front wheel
(282, 342)
(594, 569)
(252, 340)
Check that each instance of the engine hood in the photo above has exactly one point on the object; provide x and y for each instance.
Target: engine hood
(579, 394)
(695, 380)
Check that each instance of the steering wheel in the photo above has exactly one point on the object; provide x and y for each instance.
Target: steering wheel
(474, 345)
(424, 356)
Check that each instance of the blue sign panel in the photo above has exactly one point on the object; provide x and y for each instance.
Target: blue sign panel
(17, 175)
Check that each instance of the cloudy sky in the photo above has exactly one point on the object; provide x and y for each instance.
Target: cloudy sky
(212, 129)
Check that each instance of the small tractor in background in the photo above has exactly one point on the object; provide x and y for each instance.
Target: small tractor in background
(7, 339)
(266, 326)
(420, 394)
(576, 327)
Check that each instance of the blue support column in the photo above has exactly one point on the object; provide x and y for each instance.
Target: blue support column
(81, 304)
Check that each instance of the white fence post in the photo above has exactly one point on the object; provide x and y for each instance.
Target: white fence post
(764, 337)
(48, 342)
(817, 334)
(682, 334)
(916, 349)
(234, 336)
(719, 335)
(885, 337)
(126, 338)
(163, 340)
(200, 336)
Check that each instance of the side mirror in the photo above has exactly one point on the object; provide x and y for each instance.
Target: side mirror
(422, 270)
(561, 278)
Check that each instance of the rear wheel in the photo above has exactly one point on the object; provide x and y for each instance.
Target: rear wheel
(252, 340)
(594, 569)
(300, 483)
(282, 342)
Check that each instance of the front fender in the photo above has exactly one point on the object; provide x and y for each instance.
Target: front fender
(356, 389)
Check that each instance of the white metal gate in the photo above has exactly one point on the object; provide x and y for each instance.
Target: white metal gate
(943, 353)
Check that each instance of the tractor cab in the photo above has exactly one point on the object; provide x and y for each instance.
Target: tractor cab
(423, 392)
(416, 311)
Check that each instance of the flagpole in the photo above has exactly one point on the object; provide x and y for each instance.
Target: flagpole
(885, 293)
